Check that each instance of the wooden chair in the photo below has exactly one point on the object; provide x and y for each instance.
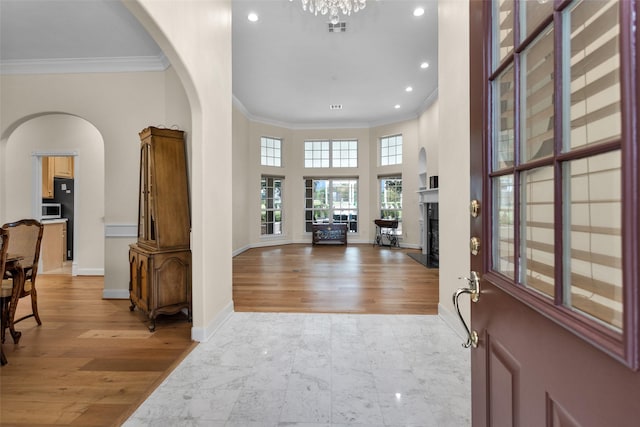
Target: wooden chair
(25, 237)
(4, 298)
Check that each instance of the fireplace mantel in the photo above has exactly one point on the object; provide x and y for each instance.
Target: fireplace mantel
(428, 195)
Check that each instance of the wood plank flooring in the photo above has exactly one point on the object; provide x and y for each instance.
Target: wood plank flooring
(92, 362)
(333, 279)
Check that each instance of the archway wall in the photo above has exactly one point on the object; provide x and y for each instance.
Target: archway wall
(119, 105)
(195, 35)
(62, 134)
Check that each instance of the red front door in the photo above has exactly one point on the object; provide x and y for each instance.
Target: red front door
(554, 148)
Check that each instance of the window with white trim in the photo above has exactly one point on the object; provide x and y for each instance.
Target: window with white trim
(271, 205)
(331, 201)
(331, 153)
(391, 150)
(391, 199)
(270, 151)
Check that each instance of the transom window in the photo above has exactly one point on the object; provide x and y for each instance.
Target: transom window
(271, 205)
(557, 156)
(270, 151)
(391, 150)
(331, 201)
(331, 153)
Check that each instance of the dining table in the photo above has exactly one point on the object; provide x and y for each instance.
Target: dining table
(16, 271)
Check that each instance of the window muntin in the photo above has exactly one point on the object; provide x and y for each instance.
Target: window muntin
(391, 199)
(271, 205)
(391, 150)
(270, 151)
(567, 257)
(331, 153)
(331, 201)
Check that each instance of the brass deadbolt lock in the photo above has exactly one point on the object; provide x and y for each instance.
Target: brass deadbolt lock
(474, 245)
(474, 208)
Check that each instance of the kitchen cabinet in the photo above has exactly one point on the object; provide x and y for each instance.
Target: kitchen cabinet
(53, 252)
(61, 167)
(160, 260)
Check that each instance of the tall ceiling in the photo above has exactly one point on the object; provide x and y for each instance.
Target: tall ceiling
(287, 67)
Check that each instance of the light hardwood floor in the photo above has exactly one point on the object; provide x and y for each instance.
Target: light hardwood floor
(333, 279)
(92, 362)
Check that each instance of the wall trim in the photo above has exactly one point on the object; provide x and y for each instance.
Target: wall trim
(85, 65)
(115, 294)
(89, 272)
(121, 230)
(204, 334)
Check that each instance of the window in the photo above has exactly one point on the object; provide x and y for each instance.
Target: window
(391, 199)
(271, 205)
(270, 151)
(345, 154)
(391, 150)
(331, 201)
(557, 160)
(331, 153)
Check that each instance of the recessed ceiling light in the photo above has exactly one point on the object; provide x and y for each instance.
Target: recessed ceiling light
(424, 65)
(253, 17)
(409, 89)
(418, 11)
(396, 106)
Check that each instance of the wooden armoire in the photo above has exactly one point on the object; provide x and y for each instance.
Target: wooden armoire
(160, 261)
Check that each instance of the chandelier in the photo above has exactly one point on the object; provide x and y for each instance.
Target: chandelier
(332, 7)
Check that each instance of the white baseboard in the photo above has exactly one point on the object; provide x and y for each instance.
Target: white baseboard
(115, 294)
(204, 334)
(75, 271)
(121, 230)
(452, 320)
(239, 251)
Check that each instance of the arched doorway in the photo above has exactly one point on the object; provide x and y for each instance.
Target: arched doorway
(60, 135)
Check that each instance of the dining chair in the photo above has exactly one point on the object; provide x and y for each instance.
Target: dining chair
(4, 297)
(25, 237)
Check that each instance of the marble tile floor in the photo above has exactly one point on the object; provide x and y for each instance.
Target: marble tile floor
(318, 370)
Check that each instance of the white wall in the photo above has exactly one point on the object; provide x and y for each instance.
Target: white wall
(429, 133)
(195, 35)
(119, 105)
(243, 184)
(453, 155)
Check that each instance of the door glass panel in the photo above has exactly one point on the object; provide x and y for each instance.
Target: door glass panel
(537, 98)
(537, 235)
(592, 229)
(503, 226)
(592, 83)
(532, 13)
(502, 30)
(503, 138)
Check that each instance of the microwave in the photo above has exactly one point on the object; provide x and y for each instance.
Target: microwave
(51, 211)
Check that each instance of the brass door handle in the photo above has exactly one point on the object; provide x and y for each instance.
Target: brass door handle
(474, 291)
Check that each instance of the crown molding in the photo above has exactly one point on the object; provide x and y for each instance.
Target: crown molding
(85, 65)
(355, 125)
